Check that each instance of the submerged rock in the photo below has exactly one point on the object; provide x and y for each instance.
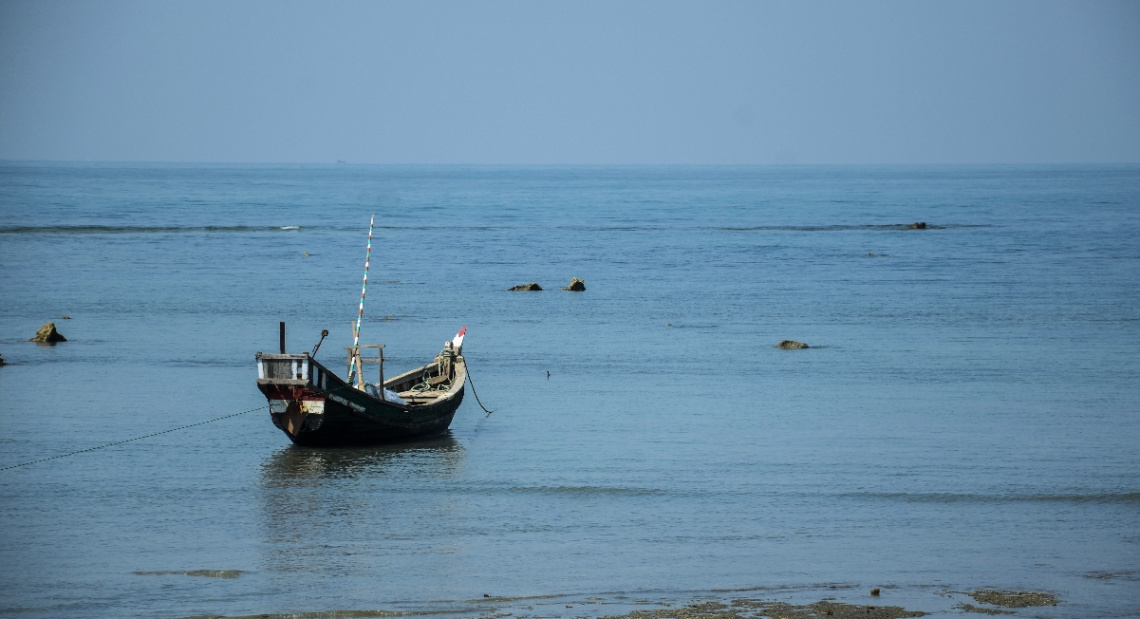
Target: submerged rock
(530, 286)
(791, 345)
(215, 573)
(48, 335)
(918, 225)
(200, 573)
(752, 608)
(1014, 599)
(970, 608)
(576, 285)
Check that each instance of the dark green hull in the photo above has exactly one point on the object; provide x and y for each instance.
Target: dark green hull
(314, 407)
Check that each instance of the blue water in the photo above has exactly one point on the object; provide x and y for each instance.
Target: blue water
(967, 416)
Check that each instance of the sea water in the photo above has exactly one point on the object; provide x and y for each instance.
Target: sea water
(966, 416)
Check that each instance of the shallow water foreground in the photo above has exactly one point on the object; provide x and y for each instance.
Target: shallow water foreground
(837, 602)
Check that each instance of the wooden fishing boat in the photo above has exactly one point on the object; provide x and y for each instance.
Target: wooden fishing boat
(315, 407)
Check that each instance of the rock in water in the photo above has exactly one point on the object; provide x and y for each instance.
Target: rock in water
(530, 286)
(791, 345)
(48, 335)
(576, 285)
(1014, 599)
(918, 225)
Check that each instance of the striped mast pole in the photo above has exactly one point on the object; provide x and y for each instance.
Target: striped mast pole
(352, 369)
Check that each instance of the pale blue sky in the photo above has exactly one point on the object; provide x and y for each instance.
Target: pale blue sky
(571, 82)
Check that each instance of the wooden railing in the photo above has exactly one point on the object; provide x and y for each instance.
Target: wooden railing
(360, 361)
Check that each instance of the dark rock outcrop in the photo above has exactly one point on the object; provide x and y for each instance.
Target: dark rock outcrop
(48, 335)
(576, 285)
(530, 286)
(918, 225)
(791, 345)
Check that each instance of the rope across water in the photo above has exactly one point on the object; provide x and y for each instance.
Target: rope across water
(129, 440)
(192, 425)
(151, 435)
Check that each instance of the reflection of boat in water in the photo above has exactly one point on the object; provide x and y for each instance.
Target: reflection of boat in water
(439, 456)
(331, 511)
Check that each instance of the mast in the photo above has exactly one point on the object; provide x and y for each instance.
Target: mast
(352, 369)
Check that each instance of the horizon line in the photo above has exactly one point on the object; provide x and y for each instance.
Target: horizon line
(6, 161)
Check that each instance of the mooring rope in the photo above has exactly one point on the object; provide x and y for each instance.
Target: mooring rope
(199, 423)
(130, 440)
(469, 379)
(154, 434)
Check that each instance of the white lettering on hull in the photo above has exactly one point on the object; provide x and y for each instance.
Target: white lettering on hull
(354, 406)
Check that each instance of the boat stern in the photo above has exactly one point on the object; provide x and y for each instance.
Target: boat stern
(295, 416)
(295, 386)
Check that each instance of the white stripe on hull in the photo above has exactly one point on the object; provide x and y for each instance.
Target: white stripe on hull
(312, 407)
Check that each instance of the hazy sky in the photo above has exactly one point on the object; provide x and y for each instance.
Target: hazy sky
(571, 82)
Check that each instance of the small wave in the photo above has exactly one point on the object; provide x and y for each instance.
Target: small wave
(581, 490)
(345, 614)
(613, 228)
(198, 573)
(137, 229)
(844, 228)
(950, 497)
(1122, 575)
(826, 585)
(518, 598)
(193, 363)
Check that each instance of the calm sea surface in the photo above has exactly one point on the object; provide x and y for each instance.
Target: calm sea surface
(968, 414)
